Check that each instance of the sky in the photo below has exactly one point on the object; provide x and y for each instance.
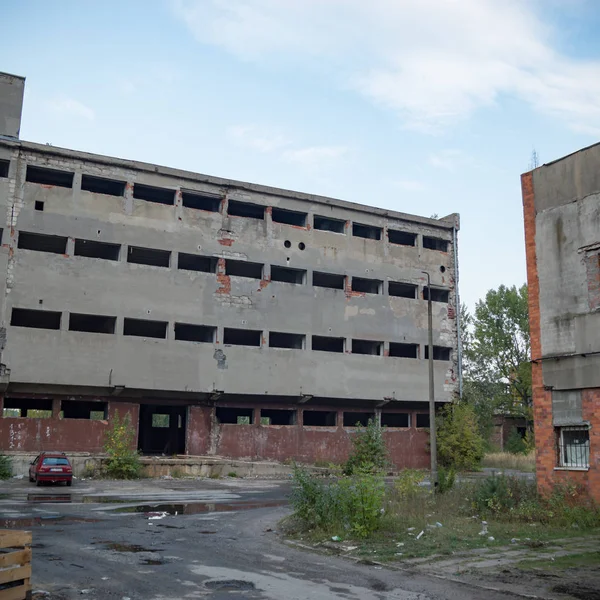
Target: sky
(422, 106)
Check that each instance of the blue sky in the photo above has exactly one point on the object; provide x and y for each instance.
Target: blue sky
(427, 107)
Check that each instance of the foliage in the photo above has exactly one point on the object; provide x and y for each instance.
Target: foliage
(348, 505)
(446, 479)
(5, 466)
(459, 443)
(123, 461)
(368, 449)
(407, 482)
(506, 460)
(515, 444)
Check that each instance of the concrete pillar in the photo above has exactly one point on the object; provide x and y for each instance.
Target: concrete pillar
(56, 406)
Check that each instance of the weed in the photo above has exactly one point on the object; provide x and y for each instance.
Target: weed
(214, 476)
(407, 482)
(177, 473)
(232, 474)
(123, 462)
(506, 460)
(368, 449)
(5, 466)
(446, 479)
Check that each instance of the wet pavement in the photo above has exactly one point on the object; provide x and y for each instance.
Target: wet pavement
(175, 539)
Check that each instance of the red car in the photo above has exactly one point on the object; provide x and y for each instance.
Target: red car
(52, 467)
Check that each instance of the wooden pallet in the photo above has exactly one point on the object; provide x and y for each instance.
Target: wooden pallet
(15, 565)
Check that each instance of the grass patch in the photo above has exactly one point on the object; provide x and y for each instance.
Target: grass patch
(572, 561)
(507, 460)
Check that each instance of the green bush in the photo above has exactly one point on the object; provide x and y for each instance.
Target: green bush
(368, 450)
(515, 443)
(123, 461)
(407, 482)
(446, 479)
(5, 466)
(459, 443)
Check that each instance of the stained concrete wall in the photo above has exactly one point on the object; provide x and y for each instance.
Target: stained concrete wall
(12, 88)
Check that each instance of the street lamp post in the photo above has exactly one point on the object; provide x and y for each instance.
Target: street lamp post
(432, 428)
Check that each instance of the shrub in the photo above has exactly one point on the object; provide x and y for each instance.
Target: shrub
(123, 461)
(5, 466)
(515, 444)
(368, 450)
(407, 482)
(446, 479)
(459, 443)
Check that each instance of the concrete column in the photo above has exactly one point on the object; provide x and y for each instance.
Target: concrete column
(56, 404)
(70, 246)
(378, 417)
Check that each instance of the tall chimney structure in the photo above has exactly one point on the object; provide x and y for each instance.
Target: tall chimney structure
(11, 104)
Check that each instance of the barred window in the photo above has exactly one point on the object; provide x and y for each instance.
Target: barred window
(574, 447)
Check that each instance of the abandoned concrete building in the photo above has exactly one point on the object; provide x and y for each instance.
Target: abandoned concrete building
(561, 203)
(227, 318)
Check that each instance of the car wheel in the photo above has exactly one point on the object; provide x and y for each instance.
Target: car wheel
(38, 482)
(31, 479)
(69, 483)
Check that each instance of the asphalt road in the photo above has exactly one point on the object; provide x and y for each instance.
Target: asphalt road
(175, 539)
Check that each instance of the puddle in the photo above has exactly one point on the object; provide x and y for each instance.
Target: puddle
(229, 585)
(150, 561)
(59, 499)
(193, 508)
(21, 522)
(119, 547)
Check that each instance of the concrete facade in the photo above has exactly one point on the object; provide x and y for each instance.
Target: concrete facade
(562, 231)
(166, 292)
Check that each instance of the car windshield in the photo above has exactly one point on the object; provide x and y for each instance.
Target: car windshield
(55, 460)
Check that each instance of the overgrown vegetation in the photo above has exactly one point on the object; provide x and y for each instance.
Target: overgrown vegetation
(507, 460)
(123, 461)
(5, 466)
(368, 450)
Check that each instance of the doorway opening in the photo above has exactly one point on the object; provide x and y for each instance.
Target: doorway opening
(162, 429)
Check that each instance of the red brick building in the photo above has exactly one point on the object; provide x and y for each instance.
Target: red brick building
(561, 203)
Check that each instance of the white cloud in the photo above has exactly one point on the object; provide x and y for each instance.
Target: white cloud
(255, 138)
(432, 61)
(314, 156)
(72, 108)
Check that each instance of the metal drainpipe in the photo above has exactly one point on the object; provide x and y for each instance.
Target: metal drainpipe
(457, 302)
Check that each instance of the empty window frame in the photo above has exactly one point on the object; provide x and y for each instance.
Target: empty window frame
(195, 333)
(40, 242)
(422, 419)
(287, 275)
(154, 194)
(400, 350)
(145, 328)
(92, 323)
(148, 256)
(101, 185)
(242, 268)
(328, 280)
(80, 409)
(434, 243)
(288, 217)
(402, 290)
(45, 176)
(439, 352)
(324, 343)
(4, 165)
(366, 231)
(366, 286)
(201, 201)
(33, 408)
(390, 419)
(319, 418)
(277, 416)
(286, 340)
(367, 347)
(355, 419)
(236, 208)
(402, 238)
(39, 205)
(574, 447)
(437, 294)
(36, 319)
(161, 421)
(235, 416)
(195, 262)
(242, 337)
(328, 224)
(95, 249)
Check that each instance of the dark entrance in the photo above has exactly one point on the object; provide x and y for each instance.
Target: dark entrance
(162, 429)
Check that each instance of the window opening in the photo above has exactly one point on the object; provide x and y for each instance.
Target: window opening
(288, 217)
(404, 350)
(45, 176)
(40, 242)
(36, 319)
(574, 447)
(354, 419)
(395, 419)
(94, 249)
(434, 243)
(92, 323)
(195, 262)
(287, 275)
(437, 294)
(286, 340)
(39, 205)
(366, 231)
(327, 344)
(422, 419)
(80, 409)
(154, 194)
(161, 421)
(201, 201)
(245, 209)
(101, 185)
(195, 333)
(402, 238)
(242, 337)
(145, 328)
(241, 268)
(319, 418)
(367, 286)
(235, 416)
(276, 416)
(32, 408)
(4, 165)
(439, 352)
(367, 347)
(402, 290)
(148, 256)
(328, 280)
(327, 224)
